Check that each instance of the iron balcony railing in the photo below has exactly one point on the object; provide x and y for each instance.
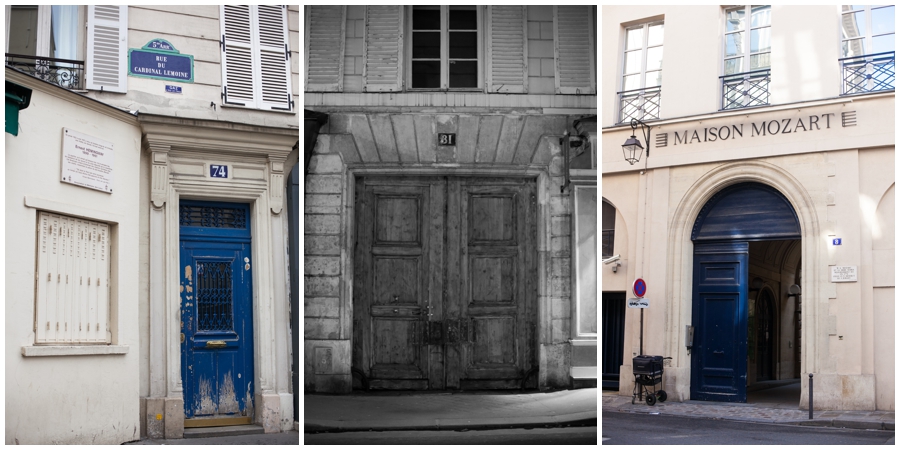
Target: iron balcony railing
(867, 73)
(742, 90)
(66, 73)
(642, 104)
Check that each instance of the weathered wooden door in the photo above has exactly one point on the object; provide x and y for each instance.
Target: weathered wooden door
(216, 313)
(445, 288)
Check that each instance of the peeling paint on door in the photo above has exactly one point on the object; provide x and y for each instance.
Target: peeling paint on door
(187, 273)
(205, 404)
(248, 401)
(228, 403)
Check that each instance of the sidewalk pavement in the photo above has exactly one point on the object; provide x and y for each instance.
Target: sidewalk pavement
(776, 405)
(287, 438)
(448, 411)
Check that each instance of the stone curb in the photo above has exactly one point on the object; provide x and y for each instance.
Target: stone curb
(573, 419)
(842, 423)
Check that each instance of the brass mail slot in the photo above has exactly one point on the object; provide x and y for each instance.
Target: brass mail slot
(215, 344)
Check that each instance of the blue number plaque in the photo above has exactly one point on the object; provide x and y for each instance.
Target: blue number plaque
(218, 171)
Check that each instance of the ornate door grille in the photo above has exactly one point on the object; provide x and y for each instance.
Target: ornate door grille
(214, 296)
(212, 217)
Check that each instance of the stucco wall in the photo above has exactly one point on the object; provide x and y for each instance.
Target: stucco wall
(87, 399)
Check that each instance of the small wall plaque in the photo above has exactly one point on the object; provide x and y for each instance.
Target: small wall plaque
(218, 171)
(446, 138)
(843, 274)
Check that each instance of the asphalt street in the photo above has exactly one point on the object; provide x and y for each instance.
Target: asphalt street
(643, 429)
(539, 436)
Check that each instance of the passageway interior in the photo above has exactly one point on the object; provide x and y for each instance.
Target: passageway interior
(773, 334)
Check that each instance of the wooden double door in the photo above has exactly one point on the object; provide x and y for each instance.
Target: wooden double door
(445, 284)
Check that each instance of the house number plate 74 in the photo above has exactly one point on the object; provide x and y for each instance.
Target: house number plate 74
(218, 171)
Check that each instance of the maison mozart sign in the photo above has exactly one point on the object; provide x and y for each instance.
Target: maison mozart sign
(812, 123)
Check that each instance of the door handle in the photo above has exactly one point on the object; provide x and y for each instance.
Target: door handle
(215, 344)
(718, 352)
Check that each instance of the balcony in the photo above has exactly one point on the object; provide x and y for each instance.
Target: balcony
(65, 73)
(640, 104)
(867, 73)
(743, 90)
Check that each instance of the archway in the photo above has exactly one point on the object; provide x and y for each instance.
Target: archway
(732, 218)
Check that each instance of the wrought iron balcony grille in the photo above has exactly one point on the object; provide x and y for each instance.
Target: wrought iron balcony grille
(640, 104)
(867, 73)
(742, 90)
(66, 73)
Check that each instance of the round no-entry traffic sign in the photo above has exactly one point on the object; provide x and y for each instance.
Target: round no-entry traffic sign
(639, 287)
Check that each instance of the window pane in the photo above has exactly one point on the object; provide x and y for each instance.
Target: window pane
(734, 65)
(852, 7)
(463, 18)
(760, 40)
(656, 35)
(634, 38)
(854, 47)
(883, 20)
(23, 30)
(631, 82)
(64, 42)
(654, 78)
(426, 74)
(633, 61)
(654, 58)
(608, 218)
(734, 20)
(734, 44)
(760, 16)
(853, 25)
(760, 61)
(426, 45)
(883, 43)
(426, 18)
(463, 74)
(464, 44)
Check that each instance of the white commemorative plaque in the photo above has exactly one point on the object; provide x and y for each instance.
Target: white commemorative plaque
(843, 274)
(87, 161)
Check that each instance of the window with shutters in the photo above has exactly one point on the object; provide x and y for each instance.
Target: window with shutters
(573, 32)
(47, 42)
(445, 47)
(72, 281)
(256, 67)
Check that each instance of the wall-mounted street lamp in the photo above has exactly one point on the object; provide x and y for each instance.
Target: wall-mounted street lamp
(632, 147)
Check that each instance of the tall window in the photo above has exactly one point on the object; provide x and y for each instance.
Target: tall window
(608, 217)
(642, 72)
(445, 50)
(748, 45)
(55, 32)
(866, 30)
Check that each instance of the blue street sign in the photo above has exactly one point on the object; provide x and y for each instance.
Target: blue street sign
(160, 60)
(173, 89)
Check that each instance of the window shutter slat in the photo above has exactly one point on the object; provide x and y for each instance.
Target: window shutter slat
(508, 49)
(325, 48)
(384, 49)
(107, 40)
(275, 66)
(573, 33)
(237, 57)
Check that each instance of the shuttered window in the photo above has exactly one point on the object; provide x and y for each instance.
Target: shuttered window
(256, 67)
(325, 48)
(507, 49)
(382, 70)
(72, 281)
(574, 38)
(107, 41)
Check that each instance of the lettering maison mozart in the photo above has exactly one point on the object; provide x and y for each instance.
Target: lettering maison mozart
(754, 129)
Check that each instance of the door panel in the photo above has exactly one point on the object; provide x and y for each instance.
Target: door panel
(444, 287)
(393, 289)
(719, 357)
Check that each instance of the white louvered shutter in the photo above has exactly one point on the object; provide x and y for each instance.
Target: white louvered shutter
(107, 40)
(325, 48)
(573, 38)
(237, 56)
(383, 49)
(274, 58)
(508, 49)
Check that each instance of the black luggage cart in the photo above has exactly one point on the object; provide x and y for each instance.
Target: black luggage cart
(648, 372)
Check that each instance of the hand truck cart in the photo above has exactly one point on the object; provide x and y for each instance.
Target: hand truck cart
(648, 373)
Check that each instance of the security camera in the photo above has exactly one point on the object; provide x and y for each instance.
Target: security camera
(611, 259)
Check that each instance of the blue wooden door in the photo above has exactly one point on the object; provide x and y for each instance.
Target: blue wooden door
(719, 355)
(216, 310)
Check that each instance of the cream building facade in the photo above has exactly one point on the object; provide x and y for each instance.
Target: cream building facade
(197, 104)
(762, 220)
